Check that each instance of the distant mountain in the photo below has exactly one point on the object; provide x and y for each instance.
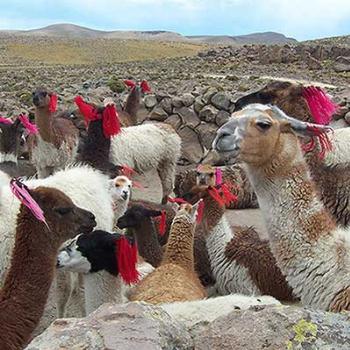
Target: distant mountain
(67, 30)
(255, 38)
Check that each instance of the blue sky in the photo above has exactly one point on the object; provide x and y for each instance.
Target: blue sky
(301, 19)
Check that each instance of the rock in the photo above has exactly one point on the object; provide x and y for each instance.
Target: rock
(208, 114)
(192, 150)
(275, 328)
(177, 102)
(158, 113)
(188, 116)
(209, 94)
(347, 117)
(222, 117)
(221, 101)
(115, 327)
(198, 104)
(174, 120)
(313, 63)
(187, 99)
(115, 84)
(207, 134)
(166, 105)
(150, 101)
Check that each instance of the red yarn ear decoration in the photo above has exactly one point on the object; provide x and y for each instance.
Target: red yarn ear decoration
(31, 128)
(323, 138)
(320, 105)
(53, 103)
(228, 195)
(127, 171)
(89, 112)
(127, 260)
(145, 86)
(4, 120)
(110, 120)
(129, 83)
(176, 200)
(215, 194)
(200, 212)
(162, 223)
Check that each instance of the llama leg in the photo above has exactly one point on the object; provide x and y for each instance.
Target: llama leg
(63, 291)
(166, 171)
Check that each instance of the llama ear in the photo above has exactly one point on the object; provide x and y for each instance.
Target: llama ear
(195, 208)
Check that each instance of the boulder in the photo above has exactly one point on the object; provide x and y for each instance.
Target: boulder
(221, 101)
(207, 134)
(198, 104)
(158, 113)
(222, 117)
(188, 116)
(347, 117)
(150, 101)
(192, 151)
(187, 99)
(177, 102)
(116, 327)
(342, 64)
(166, 105)
(209, 94)
(208, 114)
(174, 120)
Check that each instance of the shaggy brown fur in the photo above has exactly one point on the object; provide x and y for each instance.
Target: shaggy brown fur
(248, 250)
(27, 284)
(285, 95)
(175, 279)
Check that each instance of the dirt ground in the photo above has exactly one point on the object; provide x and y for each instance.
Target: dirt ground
(151, 191)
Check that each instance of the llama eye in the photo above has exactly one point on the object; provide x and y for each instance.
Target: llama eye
(117, 185)
(263, 125)
(63, 211)
(198, 174)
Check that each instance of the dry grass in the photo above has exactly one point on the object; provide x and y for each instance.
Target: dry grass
(100, 51)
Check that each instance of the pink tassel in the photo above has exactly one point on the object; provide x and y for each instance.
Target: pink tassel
(53, 103)
(323, 138)
(200, 212)
(176, 200)
(20, 190)
(127, 171)
(127, 260)
(31, 128)
(7, 121)
(320, 105)
(218, 176)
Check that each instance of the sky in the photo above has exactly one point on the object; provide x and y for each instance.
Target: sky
(301, 19)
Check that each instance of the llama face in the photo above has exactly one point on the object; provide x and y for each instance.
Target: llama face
(135, 216)
(188, 212)
(41, 98)
(205, 175)
(120, 188)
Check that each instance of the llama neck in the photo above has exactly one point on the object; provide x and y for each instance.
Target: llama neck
(212, 213)
(294, 215)
(43, 119)
(179, 249)
(99, 288)
(119, 209)
(147, 243)
(27, 285)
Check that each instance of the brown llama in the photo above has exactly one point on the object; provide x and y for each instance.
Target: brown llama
(27, 284)
(175, 279)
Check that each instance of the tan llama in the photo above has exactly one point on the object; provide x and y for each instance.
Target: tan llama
(175, 279)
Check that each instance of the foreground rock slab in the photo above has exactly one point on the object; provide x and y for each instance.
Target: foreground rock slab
(146, 327)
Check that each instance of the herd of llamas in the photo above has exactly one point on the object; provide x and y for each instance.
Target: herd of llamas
(72, 237)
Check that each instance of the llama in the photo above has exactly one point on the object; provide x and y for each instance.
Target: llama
(175, 279)
(11, 137)
(89, 189)
(27, 284)
(139, 221)
(143, 147)
(241, 262)
(207, 175)
(309, 248)
(57, 142)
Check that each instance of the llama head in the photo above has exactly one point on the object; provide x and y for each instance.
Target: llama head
(10, 139)
(205, 175)
(87, 253)
(62, 216)
(259, 133)
(187, 212)
(136, 215)
(120, 188)
(42, 98)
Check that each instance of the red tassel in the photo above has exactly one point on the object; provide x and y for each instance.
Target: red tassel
(53, 103)
(145, 86)
(129, 83)
(111, 124)
(214, 193)
(88, 111)
(200, 212)
(127, 260)
(228, 195)
(127, 171)
(162, 223)
(176, 200)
